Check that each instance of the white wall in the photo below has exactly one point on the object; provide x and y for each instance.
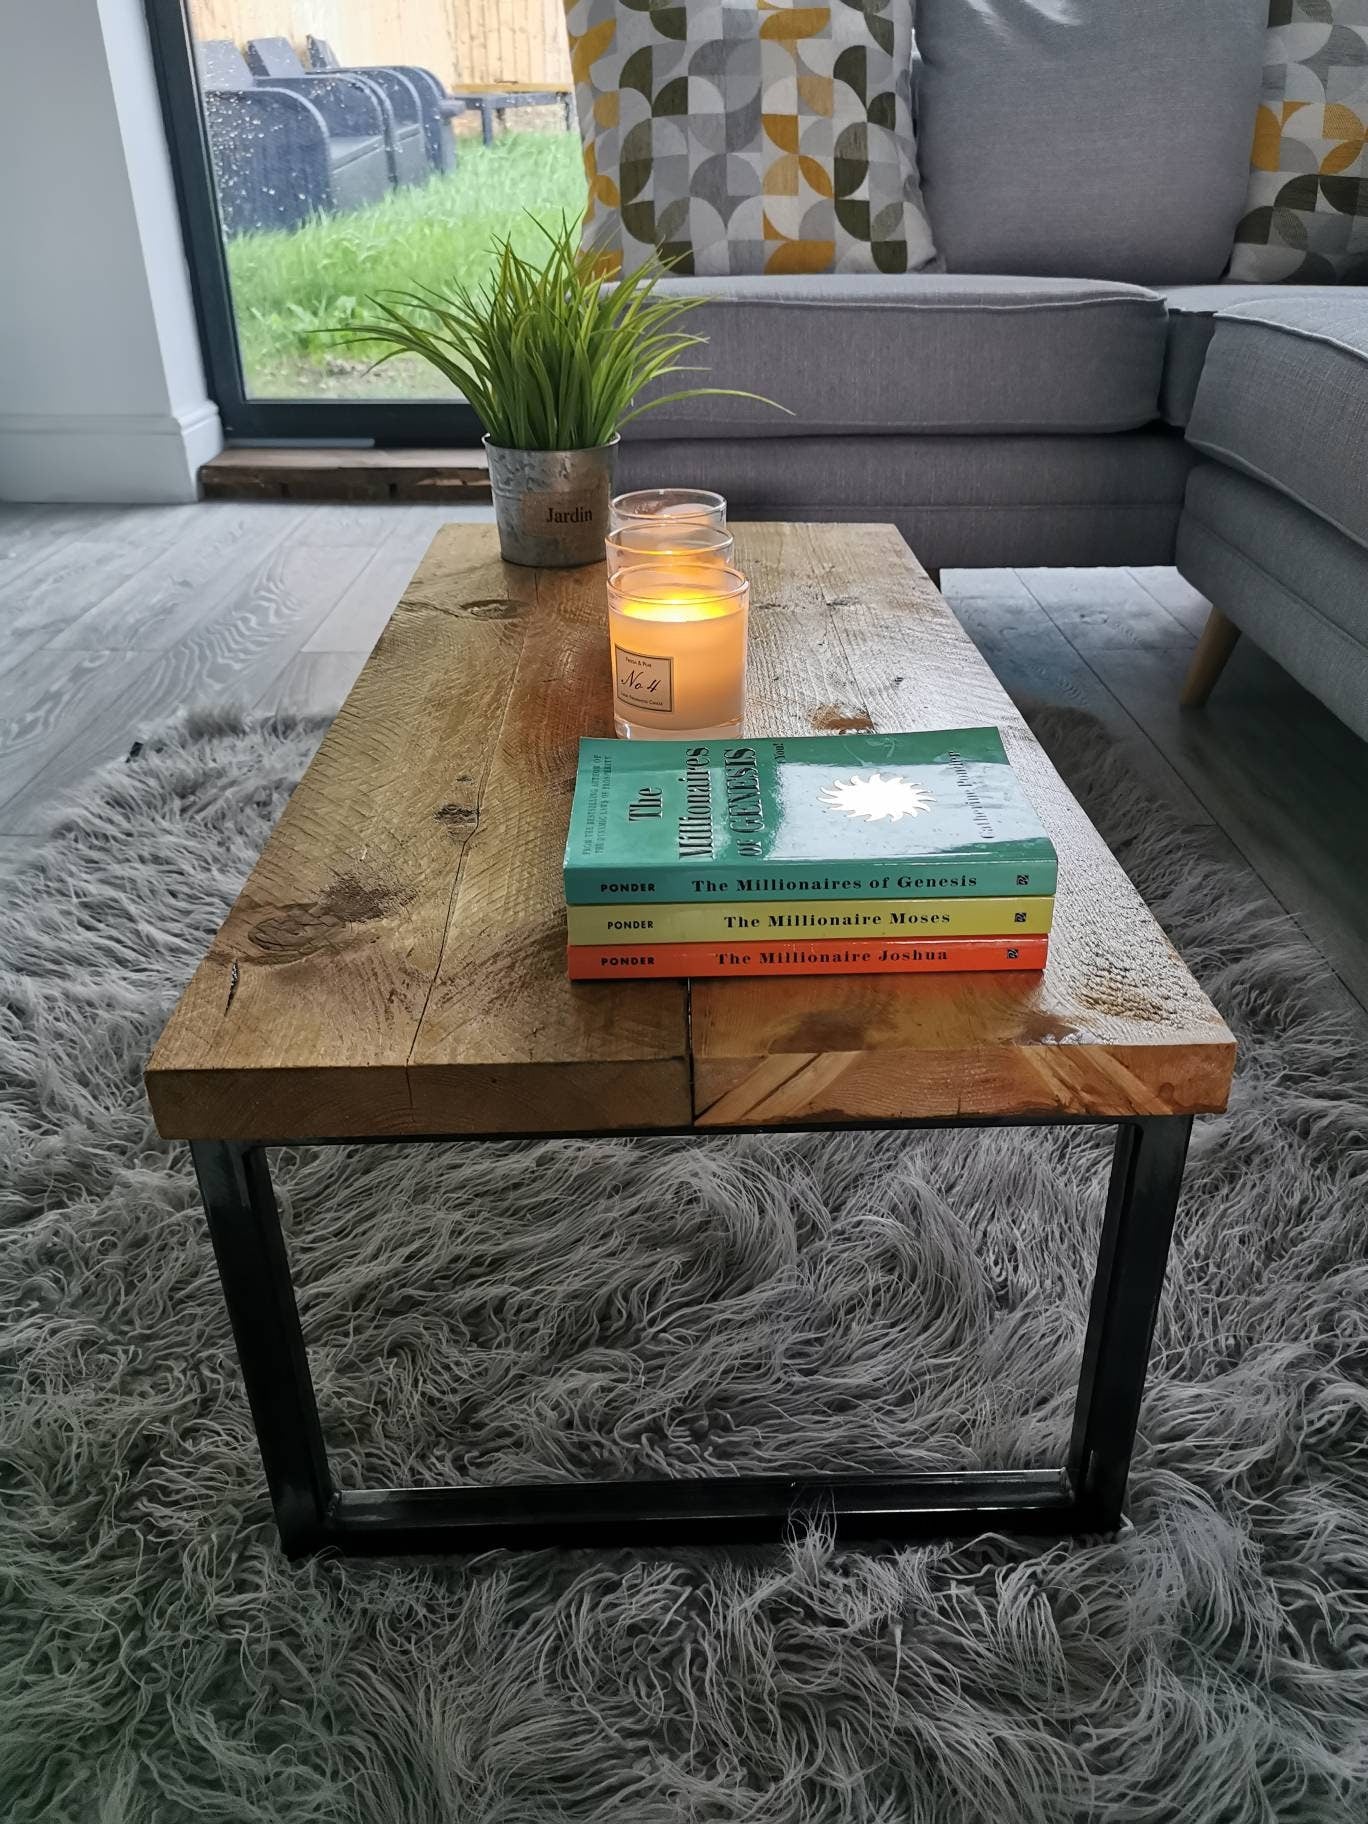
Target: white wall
(102, 392)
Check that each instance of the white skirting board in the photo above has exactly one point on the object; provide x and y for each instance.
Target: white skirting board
(119, 460)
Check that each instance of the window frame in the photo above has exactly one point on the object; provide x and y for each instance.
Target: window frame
(247, 418)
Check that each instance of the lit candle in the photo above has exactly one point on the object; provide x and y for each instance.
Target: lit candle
(678, 638)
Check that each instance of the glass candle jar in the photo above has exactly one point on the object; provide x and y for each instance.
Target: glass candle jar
(666, 542)
(678, 638)
(649, 506)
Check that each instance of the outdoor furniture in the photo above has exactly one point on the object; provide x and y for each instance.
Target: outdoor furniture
(281, 157)
(276, 60)
(438, 108)
(490, 103)
(493, 104)
(394, 970)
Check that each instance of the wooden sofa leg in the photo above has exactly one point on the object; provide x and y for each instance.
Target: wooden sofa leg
(1213, 649)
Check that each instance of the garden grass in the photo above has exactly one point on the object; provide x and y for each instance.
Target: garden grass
(288, 286)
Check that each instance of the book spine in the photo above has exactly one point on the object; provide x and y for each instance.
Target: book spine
(806, 920)
(587, 885)
(897, 956)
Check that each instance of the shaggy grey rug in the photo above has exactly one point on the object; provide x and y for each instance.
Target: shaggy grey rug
(610, 1308)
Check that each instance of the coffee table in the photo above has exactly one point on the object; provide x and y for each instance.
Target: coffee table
(358, 990)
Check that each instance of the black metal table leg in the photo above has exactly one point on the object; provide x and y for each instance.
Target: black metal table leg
(1147, 1175)
(1084, 1495)
(244, 1225)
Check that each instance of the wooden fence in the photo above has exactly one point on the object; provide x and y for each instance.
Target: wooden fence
(480, 43)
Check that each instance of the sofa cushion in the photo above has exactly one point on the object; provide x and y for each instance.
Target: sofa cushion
(1192, 318)
(1107, 140)
(1292, 583)
(977, 501)
(1306, 211)
(921, 353)
(1284, 396)
(747, 137)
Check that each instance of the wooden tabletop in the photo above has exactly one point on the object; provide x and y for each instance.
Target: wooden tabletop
(395, 964)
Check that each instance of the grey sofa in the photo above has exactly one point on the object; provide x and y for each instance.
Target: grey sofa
(1079, 387)
(1274, 529)
(1002, 420)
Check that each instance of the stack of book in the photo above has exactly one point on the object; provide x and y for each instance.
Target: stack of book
(822, 854)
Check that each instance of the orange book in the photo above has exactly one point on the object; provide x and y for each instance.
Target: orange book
(858, 956)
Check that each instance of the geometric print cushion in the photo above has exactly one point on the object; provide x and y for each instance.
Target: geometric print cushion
(1307, 211)
(749, 136)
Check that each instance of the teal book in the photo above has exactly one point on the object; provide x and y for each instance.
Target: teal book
(937, 815)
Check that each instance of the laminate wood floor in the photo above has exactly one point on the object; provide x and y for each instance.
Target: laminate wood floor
(112, 619)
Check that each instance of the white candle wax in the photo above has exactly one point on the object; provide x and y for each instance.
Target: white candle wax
(678, 651)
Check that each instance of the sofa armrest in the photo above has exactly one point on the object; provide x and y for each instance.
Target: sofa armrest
(240, 114)
(270, 154)
(397, 87)
(349, 104)
(424, 80)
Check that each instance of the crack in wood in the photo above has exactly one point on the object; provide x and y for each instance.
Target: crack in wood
(483, 608)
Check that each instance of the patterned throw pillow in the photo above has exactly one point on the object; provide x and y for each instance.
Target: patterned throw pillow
(1307, 214)
(745, 136)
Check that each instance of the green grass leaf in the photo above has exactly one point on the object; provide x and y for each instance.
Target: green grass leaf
(441, 234)
(492, 296)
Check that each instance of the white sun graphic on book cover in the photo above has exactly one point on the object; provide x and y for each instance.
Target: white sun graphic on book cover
(876, 798)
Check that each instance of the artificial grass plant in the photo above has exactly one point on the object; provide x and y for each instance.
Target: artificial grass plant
(549, 355)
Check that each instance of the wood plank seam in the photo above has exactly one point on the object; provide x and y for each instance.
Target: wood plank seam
(760, 1091)
(915, 573)
(460, 865)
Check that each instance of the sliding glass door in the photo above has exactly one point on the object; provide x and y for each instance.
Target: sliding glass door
(328, 151)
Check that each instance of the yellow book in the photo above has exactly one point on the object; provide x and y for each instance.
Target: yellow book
(633, 922)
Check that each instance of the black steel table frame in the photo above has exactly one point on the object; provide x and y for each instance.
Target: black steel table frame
(1085, 1495)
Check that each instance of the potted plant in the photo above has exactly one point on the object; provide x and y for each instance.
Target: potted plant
(552, 359)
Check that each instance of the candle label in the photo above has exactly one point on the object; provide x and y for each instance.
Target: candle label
(644, 680)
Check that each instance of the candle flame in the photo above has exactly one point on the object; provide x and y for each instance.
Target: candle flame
(687, 592)
(679, 605)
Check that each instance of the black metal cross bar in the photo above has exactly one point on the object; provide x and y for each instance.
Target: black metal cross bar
(1084, 1495)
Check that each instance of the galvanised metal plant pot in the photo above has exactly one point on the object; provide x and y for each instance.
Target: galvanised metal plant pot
(552, 505)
